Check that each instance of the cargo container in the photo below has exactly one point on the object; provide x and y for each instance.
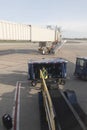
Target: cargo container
(55, 67)
(81, 68)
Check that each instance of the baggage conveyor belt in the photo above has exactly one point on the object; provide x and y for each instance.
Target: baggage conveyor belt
(64, 115)
(57, 110)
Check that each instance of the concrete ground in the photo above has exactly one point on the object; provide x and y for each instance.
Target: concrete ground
(13, 68)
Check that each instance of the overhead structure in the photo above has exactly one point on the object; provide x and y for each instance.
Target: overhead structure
(49, 39)
(16, 31)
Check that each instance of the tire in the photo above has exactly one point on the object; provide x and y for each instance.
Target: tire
(43, 52)
(33, 83)
(63, 82)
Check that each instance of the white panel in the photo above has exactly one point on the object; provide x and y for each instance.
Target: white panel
(11, 35)
(22, 33)
(13, 31)
(8, 31)
(16, 32)
(4, 30)
(42, 34)
(25, 32)
(1, 31)
(19, 31)
(28, 33)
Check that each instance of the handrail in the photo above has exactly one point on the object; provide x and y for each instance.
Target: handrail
(50, 115)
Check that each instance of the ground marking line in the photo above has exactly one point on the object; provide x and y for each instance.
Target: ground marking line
(16, 107)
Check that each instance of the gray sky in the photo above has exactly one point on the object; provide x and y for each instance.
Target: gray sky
(69, 15)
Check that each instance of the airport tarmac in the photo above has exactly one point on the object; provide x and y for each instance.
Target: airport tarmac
(13, 74)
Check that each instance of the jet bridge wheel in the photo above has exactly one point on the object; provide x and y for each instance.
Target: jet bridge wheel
(43, 52)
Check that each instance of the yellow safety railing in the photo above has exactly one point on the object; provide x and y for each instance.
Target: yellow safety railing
(48, 104)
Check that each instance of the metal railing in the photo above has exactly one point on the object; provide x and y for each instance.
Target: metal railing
(50, 115)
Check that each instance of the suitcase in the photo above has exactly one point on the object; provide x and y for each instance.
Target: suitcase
(7, 121)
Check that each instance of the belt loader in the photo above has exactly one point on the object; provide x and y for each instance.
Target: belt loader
(59, 110)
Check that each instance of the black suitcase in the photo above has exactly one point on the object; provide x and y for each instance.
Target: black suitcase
(7, 121)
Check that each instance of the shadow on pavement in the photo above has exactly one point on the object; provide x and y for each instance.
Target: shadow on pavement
(18, 51)
(29, 108)
(12, 78)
